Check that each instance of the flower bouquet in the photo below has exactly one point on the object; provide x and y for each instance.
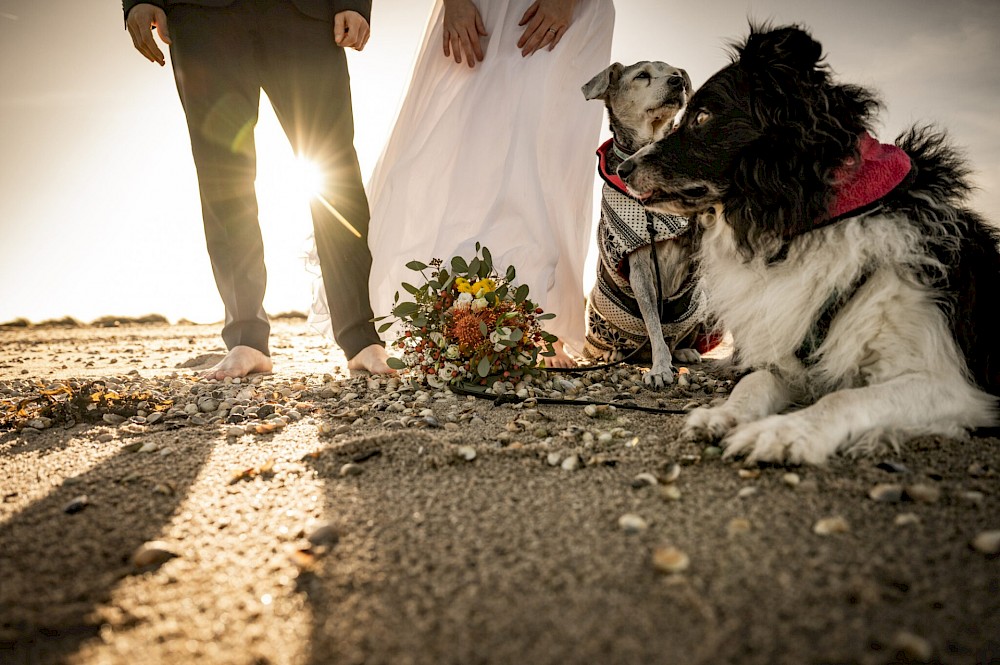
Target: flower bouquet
(467, 324)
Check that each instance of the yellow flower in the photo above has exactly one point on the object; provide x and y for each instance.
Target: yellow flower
(486, 285)
(462, 285)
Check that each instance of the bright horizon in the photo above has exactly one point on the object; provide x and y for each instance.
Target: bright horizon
(99, 210)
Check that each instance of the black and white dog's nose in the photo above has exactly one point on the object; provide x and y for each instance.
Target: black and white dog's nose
(626, 168)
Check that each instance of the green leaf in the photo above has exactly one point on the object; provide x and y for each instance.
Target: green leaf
(487, 258)
(516, 334)
(385, 326)
(410, 288)
(484, 366)
(483, 329)
(416, 265)
(545, 317)
(521, 293)
(511, 273)
(405, 309)
(478, 247)
(395, 363)
(474, 266)
(502, 292)
(420, 321)
(491, 297)
(395, 298)
(458, 264)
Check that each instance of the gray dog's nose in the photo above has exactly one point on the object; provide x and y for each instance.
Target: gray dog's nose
(626, 168)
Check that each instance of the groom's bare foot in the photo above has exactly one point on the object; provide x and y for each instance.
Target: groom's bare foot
(239, 362)
(561, 359)
(371, 359)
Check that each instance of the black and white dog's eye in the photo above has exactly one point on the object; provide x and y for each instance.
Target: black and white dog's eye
(701, 117)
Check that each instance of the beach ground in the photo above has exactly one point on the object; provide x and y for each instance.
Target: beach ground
(307, 517)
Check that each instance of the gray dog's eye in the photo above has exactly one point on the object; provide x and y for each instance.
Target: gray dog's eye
(701, 117)
(641, 75)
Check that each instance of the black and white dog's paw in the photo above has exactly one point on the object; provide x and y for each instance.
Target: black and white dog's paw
(789, 439)
(708, 424)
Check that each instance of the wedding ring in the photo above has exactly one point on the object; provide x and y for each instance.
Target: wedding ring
(551, 30)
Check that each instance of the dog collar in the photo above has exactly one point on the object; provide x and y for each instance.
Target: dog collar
(861, 183)
(609, 151)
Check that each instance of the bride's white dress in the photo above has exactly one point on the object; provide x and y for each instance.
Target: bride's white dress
(502, 154)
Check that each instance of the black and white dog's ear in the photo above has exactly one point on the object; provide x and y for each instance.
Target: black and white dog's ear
(597, 87)
(773, 180)
(788, 46)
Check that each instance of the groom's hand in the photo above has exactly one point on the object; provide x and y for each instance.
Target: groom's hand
(141, 20)
(350, 30)
(463, 26)
(546, 21)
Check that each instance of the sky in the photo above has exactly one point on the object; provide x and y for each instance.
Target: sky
(99, 211)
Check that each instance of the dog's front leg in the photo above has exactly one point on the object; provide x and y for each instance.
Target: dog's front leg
(642, 279)
(756, 396)
(907, 405)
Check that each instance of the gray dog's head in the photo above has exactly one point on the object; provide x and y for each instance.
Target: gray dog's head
(642, 99)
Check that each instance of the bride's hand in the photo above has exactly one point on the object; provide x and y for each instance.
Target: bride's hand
(547, 21)
(463, 26)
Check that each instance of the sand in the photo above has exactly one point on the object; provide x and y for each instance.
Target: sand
(420, 555)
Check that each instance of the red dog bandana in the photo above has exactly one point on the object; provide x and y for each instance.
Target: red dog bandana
(883, 167)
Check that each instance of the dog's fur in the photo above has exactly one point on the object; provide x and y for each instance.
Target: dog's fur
(642, 102)
(913, 351)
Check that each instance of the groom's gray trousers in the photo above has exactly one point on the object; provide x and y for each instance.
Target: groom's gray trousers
(222, 57)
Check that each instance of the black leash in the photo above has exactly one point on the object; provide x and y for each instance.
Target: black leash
(500, 400)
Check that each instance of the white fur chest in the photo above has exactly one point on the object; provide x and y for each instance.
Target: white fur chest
(770, 308)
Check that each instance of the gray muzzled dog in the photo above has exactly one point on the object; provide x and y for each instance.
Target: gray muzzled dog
(626, 306)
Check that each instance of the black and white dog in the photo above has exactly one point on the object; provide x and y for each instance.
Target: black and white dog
(642, 292)
(854, 280)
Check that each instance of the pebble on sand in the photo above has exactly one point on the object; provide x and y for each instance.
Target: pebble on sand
(351, 469)
(987, 542)
(737, 526)
(913, 647)
(571, 463)
(326, 535)
(670, 493)
(886, 493)
(906, 519)
(923, 493)
(668, 559)
(152, 554)
(77, 504)
(468, 453)
(831, 525)
(632, 523)
(644, 479)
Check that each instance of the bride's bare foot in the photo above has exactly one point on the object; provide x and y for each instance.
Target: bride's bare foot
(561, 359)
(240, 361)
(371, 359)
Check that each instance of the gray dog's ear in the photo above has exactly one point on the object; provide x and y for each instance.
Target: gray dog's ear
(687, 80)
(597, 87)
